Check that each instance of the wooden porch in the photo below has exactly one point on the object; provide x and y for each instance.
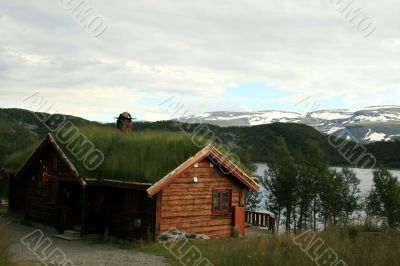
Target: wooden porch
(262, 220)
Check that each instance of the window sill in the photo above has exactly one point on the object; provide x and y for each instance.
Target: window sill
(222, 214)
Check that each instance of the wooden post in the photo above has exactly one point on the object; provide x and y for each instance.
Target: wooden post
(84, 210)
(242, 197)
(272, 223)
(158, 212)
(154, 218)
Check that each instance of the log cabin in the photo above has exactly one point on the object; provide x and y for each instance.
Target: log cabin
(145, 183)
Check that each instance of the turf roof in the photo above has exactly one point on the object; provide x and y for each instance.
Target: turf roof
(144, 157)
(138, 157)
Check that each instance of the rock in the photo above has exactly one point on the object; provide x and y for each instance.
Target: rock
(177, 235)
(191, 236)
(163, 237)
(175, 232)
(203, 237)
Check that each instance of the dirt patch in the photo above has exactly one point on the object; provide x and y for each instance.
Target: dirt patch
(80, 252)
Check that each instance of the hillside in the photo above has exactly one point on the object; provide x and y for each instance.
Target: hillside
(20, 129)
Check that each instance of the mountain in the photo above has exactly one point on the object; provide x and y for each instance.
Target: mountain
(371, 124)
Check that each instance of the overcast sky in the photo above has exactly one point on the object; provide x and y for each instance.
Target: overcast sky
(208, 55)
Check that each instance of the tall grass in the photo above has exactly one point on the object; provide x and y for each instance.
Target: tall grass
(141, 156)
(144, 156)
(4, 260)
(353, 246)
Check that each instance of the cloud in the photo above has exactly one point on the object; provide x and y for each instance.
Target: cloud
(195, 51)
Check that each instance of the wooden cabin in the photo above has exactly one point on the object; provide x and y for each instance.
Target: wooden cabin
(196, 190)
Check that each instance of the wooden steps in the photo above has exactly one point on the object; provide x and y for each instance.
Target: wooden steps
(74, 234)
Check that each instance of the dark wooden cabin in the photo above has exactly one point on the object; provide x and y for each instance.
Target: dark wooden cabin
(204, 193)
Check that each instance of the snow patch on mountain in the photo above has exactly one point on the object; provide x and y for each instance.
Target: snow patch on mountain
(334, 129)
(326, 121)
(332, 114)
(268, 117)
(374, 136)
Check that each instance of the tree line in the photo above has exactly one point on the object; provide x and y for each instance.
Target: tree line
(305, 193)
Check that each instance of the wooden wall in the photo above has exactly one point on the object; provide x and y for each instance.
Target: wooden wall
(40, 201)
(38, 205)
(17, 194)
(122, 206)
(97, 206)
(187, 206)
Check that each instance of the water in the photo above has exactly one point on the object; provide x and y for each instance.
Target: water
(364, 175)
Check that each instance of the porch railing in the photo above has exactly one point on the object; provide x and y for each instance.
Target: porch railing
(260, 219)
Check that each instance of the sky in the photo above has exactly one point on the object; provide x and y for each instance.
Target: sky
(234, 55)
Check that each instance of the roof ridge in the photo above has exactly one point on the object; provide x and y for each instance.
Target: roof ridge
(65, 157)
(209, 149)
(252, 178)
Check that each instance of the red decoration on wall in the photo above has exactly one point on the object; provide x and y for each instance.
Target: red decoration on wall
(45, 175)
(45, 178)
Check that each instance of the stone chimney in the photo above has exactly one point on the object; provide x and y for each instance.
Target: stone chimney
(124, 122)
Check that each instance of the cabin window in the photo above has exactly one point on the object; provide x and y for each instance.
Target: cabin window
(222, 201)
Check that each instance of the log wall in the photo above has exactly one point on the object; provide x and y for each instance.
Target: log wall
(40, 200)
(122, 206)
(187, 206)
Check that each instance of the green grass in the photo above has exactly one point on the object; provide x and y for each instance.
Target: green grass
(3, 210)
(145, 156)
(4, 260)
(140, 157)
(353, 246)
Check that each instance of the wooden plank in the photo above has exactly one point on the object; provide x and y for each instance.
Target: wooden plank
(241, 197)
(188, 205)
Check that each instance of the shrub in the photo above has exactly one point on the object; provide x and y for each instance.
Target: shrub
(235, 232)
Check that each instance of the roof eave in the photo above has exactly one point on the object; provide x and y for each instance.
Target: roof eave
(49, 139)
(208, 150)
(118, 183)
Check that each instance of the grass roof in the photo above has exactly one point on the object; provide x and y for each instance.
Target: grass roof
(143, 156)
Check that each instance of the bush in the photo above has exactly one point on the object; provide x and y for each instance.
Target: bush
(235, 232)
(370, 227)
(353, 232)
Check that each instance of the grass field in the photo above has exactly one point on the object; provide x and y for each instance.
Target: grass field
(353, 246)
(3, 210)
(4, 261)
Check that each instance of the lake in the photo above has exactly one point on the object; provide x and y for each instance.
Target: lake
(364, 175)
